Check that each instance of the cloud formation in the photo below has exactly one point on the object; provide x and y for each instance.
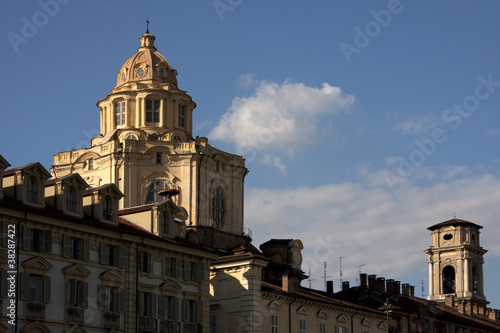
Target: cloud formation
(279, 118)
(373, 226)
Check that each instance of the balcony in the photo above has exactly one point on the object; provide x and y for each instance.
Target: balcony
(75, 315)
(147, 324)
(169, 326)
(192, 328)
(111, 320)
(35, 311)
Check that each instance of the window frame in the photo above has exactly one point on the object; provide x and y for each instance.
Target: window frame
(182, 115)
(120, 113)
(219, 208)
(32, 190)
(152, 110)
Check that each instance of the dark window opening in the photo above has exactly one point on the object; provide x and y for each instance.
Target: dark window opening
(448, 280)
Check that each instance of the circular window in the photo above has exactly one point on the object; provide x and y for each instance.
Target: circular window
(140, 72)
(448, 236)
(123, 76)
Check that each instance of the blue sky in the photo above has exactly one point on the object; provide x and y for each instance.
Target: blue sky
(363, 122)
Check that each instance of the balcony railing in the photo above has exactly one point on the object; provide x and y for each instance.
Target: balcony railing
(169, 326)
(111, 320)
(147, 324)
(192, 328)
(75, 315)
(35, 311)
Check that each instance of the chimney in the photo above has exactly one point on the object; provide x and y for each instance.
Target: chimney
(412, 291)
(406, 289)
(371, 281)
(397, 287)
(329, 287)
(363, 280)
(380, 284)
(390, 285)
(345, 285)
(285, 282)
(449, 300)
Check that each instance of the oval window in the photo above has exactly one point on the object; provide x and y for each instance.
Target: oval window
(448, 236)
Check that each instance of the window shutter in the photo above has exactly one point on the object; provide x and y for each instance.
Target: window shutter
(154, 305)
(337, 329)
(150, 262)
(3, 283)
(85, 295)
(46, 289)
(66, 246)
(199, 312)
(176, 308)
(162, 306)
(86, 249)
(122, 299)
(26, 238)
(141, 303)
(25, 286)
(201, 271)
(47, 240)
(72, 292)
(102, 297)
(185, 305)
(178, 266)
(122, 256)
(186, 270)
(167, 266)
(103, 258)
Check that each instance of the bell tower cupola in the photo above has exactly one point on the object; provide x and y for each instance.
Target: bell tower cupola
(456, 262)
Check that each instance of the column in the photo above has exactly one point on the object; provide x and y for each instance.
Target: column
(143, 112)
(162, 112)
(466, 275)
(438, 289)
(137, 112)
(431, 282)
(459, 277)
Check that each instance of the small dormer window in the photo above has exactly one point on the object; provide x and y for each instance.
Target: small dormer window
(161, 73)
(176, 137)
(32, 189)
(164, 223)
(154, 137)
(123, 76)
(71, 199)
(91, 164)
(140, 72)
(131, 137)
(107, 209)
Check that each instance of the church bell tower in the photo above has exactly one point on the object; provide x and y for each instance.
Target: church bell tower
(456, 262)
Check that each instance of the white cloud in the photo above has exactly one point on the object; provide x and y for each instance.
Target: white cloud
(416, 125)
(385, 231)
(279, 118)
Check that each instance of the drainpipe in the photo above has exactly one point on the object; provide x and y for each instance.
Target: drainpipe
(352, 320)
(137, 284)
(17, 264)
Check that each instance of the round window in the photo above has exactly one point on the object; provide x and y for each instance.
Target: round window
(123, 76)
(448, 236)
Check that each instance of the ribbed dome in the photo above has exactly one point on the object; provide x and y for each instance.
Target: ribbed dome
(146, 66)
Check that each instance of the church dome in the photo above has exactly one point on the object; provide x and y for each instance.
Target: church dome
(146, 66)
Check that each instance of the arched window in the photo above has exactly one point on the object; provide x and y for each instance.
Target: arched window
(153, 189)
(154, 137)
(152, 110)
(131, 137)
(71, 199)
(218, 208)
(107, 209)
(182, 115)
(475, 280)
(32, 190)
(176, 137)
(448, 280)
(164, 223)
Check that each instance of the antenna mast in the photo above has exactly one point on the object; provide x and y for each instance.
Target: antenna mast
(324, 274)
(423, 288)
(358, 281)
(340, 259)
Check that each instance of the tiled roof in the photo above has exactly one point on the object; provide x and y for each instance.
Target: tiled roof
(454, 222)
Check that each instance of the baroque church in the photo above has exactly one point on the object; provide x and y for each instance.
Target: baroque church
(143, 232)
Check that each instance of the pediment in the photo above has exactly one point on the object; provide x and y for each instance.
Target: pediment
(73, 179)
(322, 314)
(3, 163)
(35, 328)
(35, 169)
(169, 206)
(87, 156)
(342, 318)
(112, 278)
(366, 322)
(76, 271)
(382, 326)
(170, 287)
(303, 310)
(37, 265)
(275, 305)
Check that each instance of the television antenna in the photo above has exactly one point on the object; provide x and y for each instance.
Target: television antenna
(340, 259)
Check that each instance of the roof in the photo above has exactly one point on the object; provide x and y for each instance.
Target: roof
(277, 242)
(454, 222)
